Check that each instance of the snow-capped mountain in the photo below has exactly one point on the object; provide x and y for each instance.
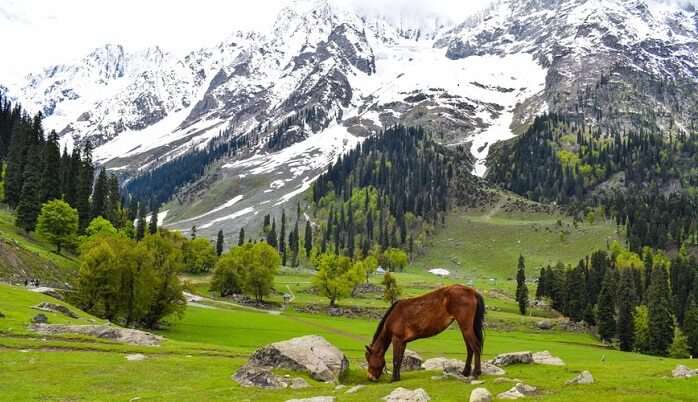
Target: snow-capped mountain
(327, 75)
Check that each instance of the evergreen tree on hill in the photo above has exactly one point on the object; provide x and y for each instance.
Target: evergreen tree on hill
(51, 175)
(626, 306)
(605, 312)
(30, 198)
(521, 288)
(661, 320)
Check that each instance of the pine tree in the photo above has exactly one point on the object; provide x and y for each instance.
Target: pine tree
(114, 210)
(219, 243)
(14, 174)
(679, 346)
(576, 293)
(521, 288)
(99, 198)
(153, 224)
(241, 237)
(661, 320)
(29, 205)
(541, 289)
(282, 239)
(271, 236)
(626, 306)
(294, 244)
(84, 189)
(605, 312)
(308, 241)
(140, 223)
(690, 324)
(51, 176)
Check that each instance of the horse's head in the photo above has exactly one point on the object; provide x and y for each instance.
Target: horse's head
(376, 363)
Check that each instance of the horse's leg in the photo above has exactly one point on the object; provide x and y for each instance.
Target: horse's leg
(398, 354)
(468, 360)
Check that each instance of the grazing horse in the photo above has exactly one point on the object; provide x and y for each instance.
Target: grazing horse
(426, 316)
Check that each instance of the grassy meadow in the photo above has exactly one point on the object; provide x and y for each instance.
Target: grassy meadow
(205, 348)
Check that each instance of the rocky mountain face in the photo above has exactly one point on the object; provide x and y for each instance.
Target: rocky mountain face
(325, 76)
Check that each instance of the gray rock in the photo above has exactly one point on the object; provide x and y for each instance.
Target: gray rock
(298, 383)
(480, 395)
(545, 325)
(491, 369)
(682, 371)
(507, 359)
(412, 361)
(260, 377)
(117, 334)
(441, 363)
(547, 359)
(56, 308)
(136, 357)
(40, 319)
(355, 389)
(583, 378)
(310, 354)
(406, 395)
(314, 399)
(518, 391)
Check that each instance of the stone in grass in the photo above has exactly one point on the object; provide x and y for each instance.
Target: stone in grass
(506, 359)
(547, 359)
(519, 391)
(453, 365)
(406, 395)
(583, 378)
(40, 319)
(260, 377)
(545, 325)
(682, 371)
(412, 361)
(314, 399)
(355, 389)
(136, 357)
(480, 395)
(311, 354)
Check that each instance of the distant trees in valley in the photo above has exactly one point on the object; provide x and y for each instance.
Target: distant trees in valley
(647, 302)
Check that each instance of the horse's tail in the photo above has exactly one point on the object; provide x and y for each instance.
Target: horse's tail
(480, 320)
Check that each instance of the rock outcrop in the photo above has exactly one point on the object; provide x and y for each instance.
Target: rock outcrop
(682, 371)
(455, 365)
(56, 308)
(547, 359)
(520, 390)
(117, 334)
(310, 354)
(480, 395)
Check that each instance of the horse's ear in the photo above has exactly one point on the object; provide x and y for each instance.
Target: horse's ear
(368, 349)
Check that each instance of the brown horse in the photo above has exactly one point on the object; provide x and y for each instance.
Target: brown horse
(426, 316)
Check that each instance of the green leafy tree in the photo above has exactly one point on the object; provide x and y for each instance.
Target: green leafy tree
(229, 274)
(58, 223)
(391, 290)
(168, 263)
(661, 320)
(521, 288)
(263, 265)
(335, 277)
(395, 259)
(679, 346)
(641, 329)
(99, 226)
(199, 256)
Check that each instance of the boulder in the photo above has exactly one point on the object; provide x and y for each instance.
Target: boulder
(545, 325)
(682, 371)
(40, 319)
(491, 369)
(260, 377)
(480, 395)
(547, 359)
(310, 354)
(506, 359)
(583, 378)
(136, 357)
(56, 308)
(412, 361)
(314, 399)
(520, 390)
(406, 395)
(117, 334)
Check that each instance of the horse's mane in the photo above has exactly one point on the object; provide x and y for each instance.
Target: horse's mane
(382, 323)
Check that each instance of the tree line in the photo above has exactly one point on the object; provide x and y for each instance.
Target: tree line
(645, 302)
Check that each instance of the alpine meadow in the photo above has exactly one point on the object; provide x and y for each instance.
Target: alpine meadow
(343, 200)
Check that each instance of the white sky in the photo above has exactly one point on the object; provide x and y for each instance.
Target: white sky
(38, 33)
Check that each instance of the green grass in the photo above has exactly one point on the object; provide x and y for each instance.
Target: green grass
(28, 256)
(208, 345)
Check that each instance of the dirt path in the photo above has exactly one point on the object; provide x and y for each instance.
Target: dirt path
(495, 210)
(195, 300)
